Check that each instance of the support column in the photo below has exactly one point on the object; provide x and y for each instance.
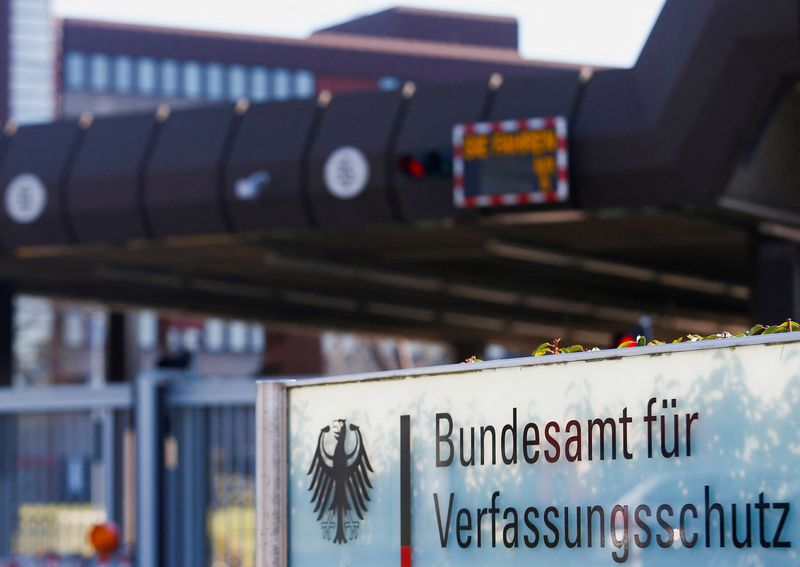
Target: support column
(6, 334)
(117, 368)
(150, 544)
(776, 290)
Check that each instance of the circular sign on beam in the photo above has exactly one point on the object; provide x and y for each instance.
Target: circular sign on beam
(346, 172)
(25, 198)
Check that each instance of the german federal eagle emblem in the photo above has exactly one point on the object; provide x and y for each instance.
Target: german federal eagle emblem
(340, 481)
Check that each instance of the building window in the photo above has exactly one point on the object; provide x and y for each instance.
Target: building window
(146, 76)
(237, 334)
(214, 335)
(99, 72)
(174, 339)
(304, 84)
(75, 71)
(147, 330)
(388, 83)
(169, 77)
(237, 82)
(259, 84)
(215, 86)
(257, 337)
(123, 74)
(192, 87)
(191, 339)
(74, 328)
(281, 87)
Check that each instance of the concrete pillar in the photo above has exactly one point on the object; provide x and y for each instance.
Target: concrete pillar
(117, 366)
(776, 292)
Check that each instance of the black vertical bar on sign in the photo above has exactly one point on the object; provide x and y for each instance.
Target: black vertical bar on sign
(405, 489)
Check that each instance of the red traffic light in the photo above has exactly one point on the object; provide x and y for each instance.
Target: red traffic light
(412, 167)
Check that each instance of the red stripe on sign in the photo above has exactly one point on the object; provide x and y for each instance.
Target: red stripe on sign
(562, 143)
(523, 198)
(562, 174)
(496, 126)
(457, 151)
(469, 128)
(405, 556)
(497, 200)
(551, 197)
(470, 201)
(522, 124)
(549, 122)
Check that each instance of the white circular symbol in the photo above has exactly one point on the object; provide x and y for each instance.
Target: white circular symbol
(25, 198)
(346, 172)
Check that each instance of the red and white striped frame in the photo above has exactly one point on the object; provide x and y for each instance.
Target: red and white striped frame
(561, 193)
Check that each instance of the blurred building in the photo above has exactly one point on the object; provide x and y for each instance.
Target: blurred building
(29, 53)
(52, 68)
(119, 67)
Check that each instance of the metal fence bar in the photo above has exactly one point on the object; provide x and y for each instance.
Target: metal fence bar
(64, 399)
(149, 466)
(194, 479)
(212, 392)
(109, 462)
(8, 472)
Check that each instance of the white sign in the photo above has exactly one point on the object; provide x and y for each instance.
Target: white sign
(346, 172)
(25, 198)
(683, 454)
(251, 187)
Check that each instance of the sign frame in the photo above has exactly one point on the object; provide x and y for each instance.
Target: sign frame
(560, 193)
(272, 415)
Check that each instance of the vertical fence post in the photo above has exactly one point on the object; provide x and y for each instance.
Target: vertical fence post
(6, 334)
(8, 482)
(149, 466)
(193, 449)
(109, 461)
(271, 475)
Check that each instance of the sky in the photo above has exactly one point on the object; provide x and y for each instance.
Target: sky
(594, 32)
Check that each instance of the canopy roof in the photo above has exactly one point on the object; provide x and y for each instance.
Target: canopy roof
(674, 165)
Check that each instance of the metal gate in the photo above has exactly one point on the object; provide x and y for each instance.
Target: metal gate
(171, 462)
(199, 508)
(61, 470)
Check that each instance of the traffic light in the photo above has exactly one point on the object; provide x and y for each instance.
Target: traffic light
(434, 164)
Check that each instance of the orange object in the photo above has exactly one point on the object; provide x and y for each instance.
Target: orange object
(104, 539)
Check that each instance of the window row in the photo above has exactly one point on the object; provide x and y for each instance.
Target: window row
(215, 336)
(147, 76)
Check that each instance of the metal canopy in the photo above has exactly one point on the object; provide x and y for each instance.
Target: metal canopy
(514, 283)
(223, 209)
(104, 198)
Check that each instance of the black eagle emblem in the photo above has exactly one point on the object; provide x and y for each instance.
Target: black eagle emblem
(340, 482)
